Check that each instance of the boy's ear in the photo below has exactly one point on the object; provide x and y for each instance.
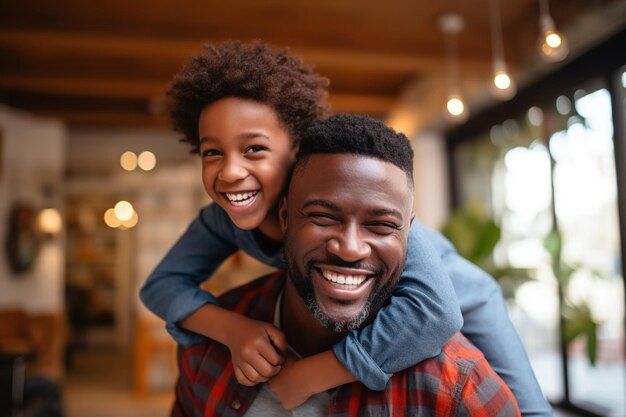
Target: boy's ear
(282, 214)
(412, 217)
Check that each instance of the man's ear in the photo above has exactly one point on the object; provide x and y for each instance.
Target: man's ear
(282, 214)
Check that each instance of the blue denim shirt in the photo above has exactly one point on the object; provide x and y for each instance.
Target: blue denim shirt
(435, 281)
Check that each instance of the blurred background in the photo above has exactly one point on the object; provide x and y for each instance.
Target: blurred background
(516, 111)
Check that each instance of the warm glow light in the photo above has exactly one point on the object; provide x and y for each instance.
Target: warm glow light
(455, 106)
(132, 222)
(111, 219)
(552, 45)
(553, 40)
(146, 160)
(123, 210)
(502, 80)
(49, 221)
(128, 161)
(503, 86)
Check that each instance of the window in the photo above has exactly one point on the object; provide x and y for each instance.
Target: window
(548, 177)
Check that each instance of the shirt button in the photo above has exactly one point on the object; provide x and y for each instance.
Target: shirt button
(236, 405)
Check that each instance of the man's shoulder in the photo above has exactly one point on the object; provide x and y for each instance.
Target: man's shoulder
(460, 349)
(457, 359)
(461, 375)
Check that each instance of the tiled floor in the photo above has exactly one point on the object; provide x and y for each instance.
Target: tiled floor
(100, 385)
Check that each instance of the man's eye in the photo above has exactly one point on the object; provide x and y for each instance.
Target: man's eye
(382, 228)
(322, 219)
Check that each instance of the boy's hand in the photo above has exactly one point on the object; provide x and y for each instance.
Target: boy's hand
(290, 386)
(257, 349)
(299, 379)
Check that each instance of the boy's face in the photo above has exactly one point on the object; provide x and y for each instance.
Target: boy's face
(247, 156)
(346, 221)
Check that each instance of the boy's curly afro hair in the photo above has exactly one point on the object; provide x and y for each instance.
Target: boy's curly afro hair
(252, 70)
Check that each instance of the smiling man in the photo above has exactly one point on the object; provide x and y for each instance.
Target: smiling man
(347, 221)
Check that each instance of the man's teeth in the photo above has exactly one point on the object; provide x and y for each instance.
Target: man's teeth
(240, 199)
(343, 279)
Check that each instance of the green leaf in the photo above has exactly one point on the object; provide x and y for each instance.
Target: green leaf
(488, 237)
(592, 342)
(553, 244)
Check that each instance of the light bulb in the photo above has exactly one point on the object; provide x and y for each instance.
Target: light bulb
(503, 86)
(455, 106)
(111, 219)
(146, 160)
(552, 44)
(128, 160)
(50, 221)
(501, 80)
(123, 210)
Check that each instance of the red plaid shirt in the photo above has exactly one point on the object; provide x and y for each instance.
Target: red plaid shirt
(456, 382)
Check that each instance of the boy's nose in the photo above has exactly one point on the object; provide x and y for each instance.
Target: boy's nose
(232, 171)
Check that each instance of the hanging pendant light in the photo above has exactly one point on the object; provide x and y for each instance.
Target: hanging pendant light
(552, 44)
(502, 86)
(451, 25)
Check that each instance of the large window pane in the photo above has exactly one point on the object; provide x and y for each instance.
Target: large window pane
(548, 179)
(586, 208)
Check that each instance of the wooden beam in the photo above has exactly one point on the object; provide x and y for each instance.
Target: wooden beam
(341, 102)
(93, 118)
(57, 43)
(362, 104)
(83, 87)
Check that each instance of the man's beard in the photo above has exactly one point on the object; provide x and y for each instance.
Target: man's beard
(304, 285)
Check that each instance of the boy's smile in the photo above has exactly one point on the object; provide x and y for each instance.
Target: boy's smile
(247, 155)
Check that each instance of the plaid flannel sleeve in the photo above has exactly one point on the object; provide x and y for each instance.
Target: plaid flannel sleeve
(485, 394)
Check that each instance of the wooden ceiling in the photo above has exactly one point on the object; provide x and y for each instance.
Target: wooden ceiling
(109, 62)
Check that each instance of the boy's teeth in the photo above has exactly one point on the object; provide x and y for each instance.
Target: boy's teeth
(352, 280)
(237, 197)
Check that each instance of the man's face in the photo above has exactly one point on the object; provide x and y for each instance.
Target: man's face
(346, 222)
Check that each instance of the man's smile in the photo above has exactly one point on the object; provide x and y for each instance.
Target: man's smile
(351, 281)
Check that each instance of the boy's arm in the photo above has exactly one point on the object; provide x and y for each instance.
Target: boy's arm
(300, 379)
(488, 326)
(172, 291)
(420, 317)
(257, 348)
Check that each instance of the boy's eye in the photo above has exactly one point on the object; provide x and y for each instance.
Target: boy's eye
(255, 149)
(210, 152)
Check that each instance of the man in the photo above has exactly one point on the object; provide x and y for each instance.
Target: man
(346, 221)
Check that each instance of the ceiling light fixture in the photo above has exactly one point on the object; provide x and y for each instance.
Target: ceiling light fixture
(451, 25)
(552, 44)
(503, 86)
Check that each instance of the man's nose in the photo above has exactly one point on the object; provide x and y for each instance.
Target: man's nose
(232, 170)
(349, 245)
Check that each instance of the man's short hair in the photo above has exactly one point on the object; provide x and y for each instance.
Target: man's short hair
(252, 70)
(357, 134)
